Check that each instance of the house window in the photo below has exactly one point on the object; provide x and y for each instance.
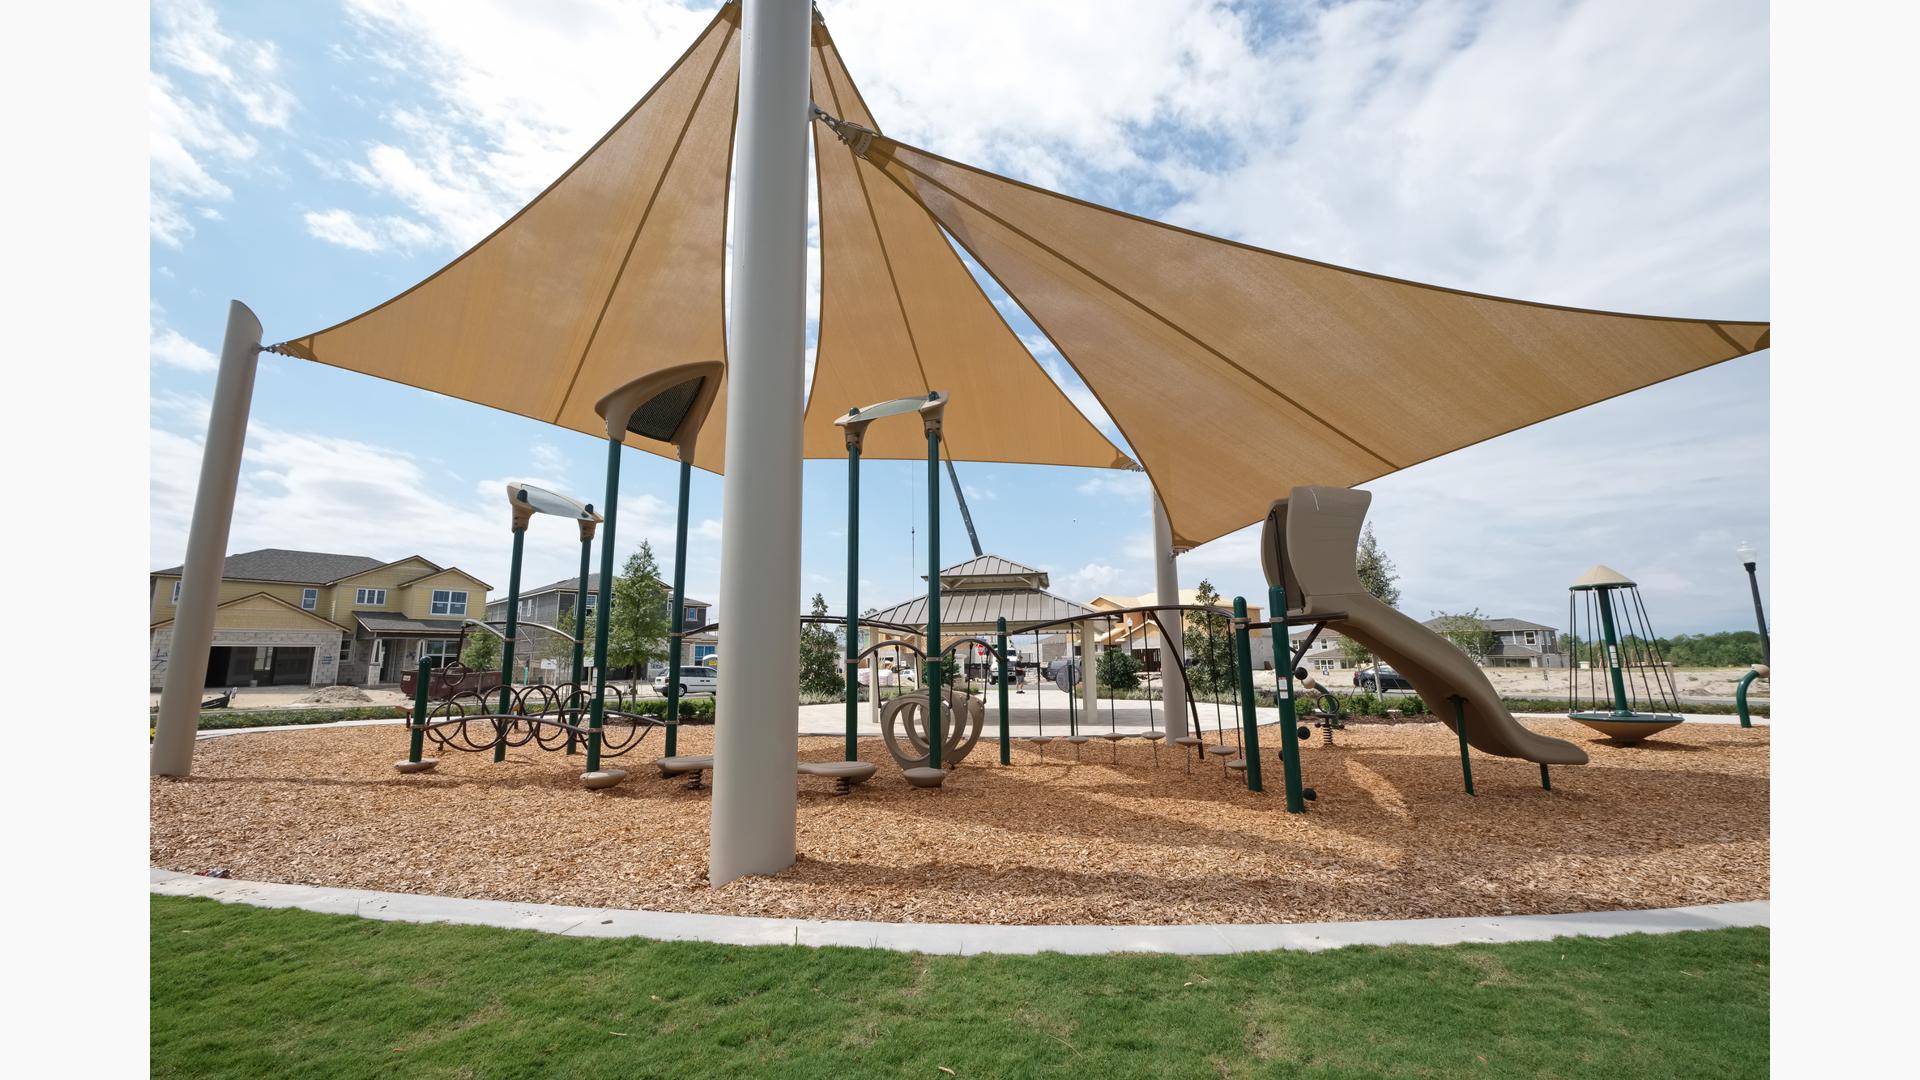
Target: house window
(593, 602)
(1530, 637)
(370, 597)
(696, 616)
(176, 595)
(309, 599)
(526, 608)
(701, 652)
(449, 601)
(440, 651)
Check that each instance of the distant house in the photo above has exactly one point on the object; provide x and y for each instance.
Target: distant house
(1517, 643)
(1139, 633)
(314, 618)
(552, 605)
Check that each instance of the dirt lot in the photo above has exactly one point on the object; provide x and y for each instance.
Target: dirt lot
(1681, 819)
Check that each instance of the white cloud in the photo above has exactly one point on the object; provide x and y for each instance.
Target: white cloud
(171, 347)
(199, 114)
(1091, 579)
(372, 234)
(1126, 485)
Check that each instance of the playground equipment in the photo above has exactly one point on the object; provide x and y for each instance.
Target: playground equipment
(1625, 644)
(1759, 671)
(670, 406)
(1307, 549)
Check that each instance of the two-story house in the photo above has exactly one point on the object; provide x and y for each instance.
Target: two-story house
(312, 618)
(1516, 643)
(1139, 633)
(542, 657)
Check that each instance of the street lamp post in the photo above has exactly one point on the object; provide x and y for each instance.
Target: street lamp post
(1750, 558)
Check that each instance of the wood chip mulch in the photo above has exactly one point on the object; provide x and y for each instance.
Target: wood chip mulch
(1680, 819)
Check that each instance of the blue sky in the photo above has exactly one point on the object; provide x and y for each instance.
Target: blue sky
(314, 159)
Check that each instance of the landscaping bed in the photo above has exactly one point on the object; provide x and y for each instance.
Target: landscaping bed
(1681, 819)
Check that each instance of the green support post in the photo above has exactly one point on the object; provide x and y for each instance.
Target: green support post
(506, 644)
(1460, 727)
(417, 738)
(935, 687)
(853, 596)
(1740, 698)
(1000, 665)
(1249, 719)
(1620, 706)
(674, 648)
(580, 622)
(597, 717)
(1546, 782)
(1289, 716)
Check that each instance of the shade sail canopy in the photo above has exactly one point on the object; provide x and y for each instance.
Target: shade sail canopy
(1234, 372)
(901, 315)
(614, 271)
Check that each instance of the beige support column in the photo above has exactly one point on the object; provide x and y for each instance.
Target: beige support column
(1166, 582)
(179, 719)
(1089, 681)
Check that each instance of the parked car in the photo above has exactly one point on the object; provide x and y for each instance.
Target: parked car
(693, 680)
(1380, 679)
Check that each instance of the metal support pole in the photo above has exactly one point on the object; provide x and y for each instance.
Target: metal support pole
(417, 738)
(675, 644)
(1166, 585)
(1740, 696)
(853, 602)
(580, 623)
(935, 687)
(187, 648)
(1546, 782)
(1000, 665)
(1283, 691)
(1089, 683)
(596, 718)
(1249, 718)
(1460, 727)
(1759, 614)
(754, 751)
(506, 643)
(1620, 706)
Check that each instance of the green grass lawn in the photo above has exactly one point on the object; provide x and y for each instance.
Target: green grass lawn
(249, 992)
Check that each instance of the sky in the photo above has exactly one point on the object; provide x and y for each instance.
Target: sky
(314, 159)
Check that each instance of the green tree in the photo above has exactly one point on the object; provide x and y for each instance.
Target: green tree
(820, 672)
(638, 624)
(1468, 630)
(1376, 570)
(1354, 654)
(1118, 669)
(1209, 644)
(481, 651)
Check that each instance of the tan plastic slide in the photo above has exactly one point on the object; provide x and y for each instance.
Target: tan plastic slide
(1310, 537)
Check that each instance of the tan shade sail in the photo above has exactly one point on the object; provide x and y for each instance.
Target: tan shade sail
(1236, 373)
(901, 315)
(614, 271)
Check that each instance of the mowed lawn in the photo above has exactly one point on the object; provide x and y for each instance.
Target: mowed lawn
(247, 992)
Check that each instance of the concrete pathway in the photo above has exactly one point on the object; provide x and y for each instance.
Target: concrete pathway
(952, 938)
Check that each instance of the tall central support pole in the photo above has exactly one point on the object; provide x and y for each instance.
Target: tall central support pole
(1620, 705)
(520, 518)
(679, 609)
(179, 720)
(1166, 590)
(597, 713)
(755, 754)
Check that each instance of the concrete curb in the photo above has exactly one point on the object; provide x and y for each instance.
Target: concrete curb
(953, 938)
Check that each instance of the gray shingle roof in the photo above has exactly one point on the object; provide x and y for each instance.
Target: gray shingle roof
(992, 566)
(392, 622)
(298, 567)
(1502, 624)
(980, 607)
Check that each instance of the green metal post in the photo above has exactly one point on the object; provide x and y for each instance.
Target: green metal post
(679, 611)
(1546, 782)
(853, 602)
(1740, 698)
(1620, 707)
(1460, 726)
(506, 645)
(596, 719)
(1000, 665)
(580, 625)
(416, 739)
(935, 688)
(1289, 716)
(1249, 719)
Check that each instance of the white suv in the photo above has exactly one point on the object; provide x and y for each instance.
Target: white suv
(693, 680)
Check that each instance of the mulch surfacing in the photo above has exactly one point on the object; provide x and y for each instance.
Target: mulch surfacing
(1679, 819)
